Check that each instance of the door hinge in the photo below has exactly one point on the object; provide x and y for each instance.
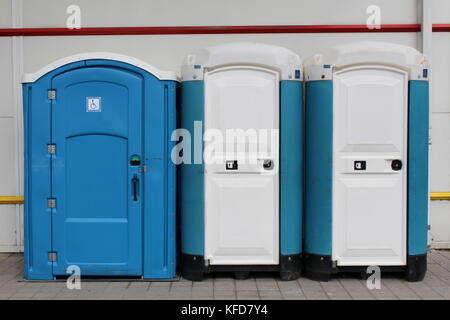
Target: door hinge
(206, 262)
(334, 264)
(52, 257)
(51, 94)
(143, 169)
(51, 203)
(51, 148)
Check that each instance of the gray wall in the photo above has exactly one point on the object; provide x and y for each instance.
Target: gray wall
(29, 54)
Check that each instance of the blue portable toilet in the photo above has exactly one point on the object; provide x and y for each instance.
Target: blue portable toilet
(99, 180)
(366, 160)
(241, 200)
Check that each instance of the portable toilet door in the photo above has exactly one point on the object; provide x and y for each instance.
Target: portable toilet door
(241, 203)
(99, 181)
(367, 160)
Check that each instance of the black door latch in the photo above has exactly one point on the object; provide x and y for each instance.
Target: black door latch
(396, 165)
(268, 164)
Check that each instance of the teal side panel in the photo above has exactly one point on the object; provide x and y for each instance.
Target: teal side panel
(418, 167)
(291, 167)
(191, 191)
(319, 167)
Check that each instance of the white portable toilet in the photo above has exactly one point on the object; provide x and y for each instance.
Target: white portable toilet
(236, 214)
(366, 160)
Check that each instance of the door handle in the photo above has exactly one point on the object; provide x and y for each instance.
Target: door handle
(135, 182)
(396, 165)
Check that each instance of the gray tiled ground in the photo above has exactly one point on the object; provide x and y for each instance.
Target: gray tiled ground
(435, 286)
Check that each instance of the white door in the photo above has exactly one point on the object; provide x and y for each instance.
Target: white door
(369, 166)
(241, 193)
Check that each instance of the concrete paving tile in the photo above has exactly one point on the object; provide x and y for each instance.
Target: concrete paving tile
(245, 284)
(202, 298)
(319, 297)
(293, 293)
(248, 297)
(224, 293)
(288, 284)
(422, 290)
(253, 292)
(400, 290)
(307, 283)
(311, 294)
(362, 297)
(444, 291)
(72, 294)
(272, 298)
(269, 293)
(202, 291)
(294, 298)
(338, 297)
(201, 284)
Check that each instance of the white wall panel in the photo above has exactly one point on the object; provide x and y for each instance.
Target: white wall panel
(440, 224)
(440, 75)
(11, 216)
(6, 92)
(7, 158)
(167, 52)
(8, 229)
(440, 153)
(5, 14)
(440, 128)
(51, 13)
(441, 11)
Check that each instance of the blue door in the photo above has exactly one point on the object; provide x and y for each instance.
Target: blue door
(96, 179)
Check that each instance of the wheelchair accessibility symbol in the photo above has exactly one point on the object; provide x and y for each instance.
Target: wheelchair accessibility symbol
(93, 104)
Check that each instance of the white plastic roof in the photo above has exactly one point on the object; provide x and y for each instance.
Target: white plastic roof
(367, 52)
(238, 53)
(162, 75)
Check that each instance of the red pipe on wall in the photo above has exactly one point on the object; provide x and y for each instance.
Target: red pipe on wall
(441, 27)
(106, 31)
(103, 31)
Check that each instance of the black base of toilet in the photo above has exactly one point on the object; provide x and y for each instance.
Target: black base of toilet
(320, 268)
(193, 268)
(417, 267)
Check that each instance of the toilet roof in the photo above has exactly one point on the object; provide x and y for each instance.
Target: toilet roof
(369, 52)
(162, 75)
(239, 53)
